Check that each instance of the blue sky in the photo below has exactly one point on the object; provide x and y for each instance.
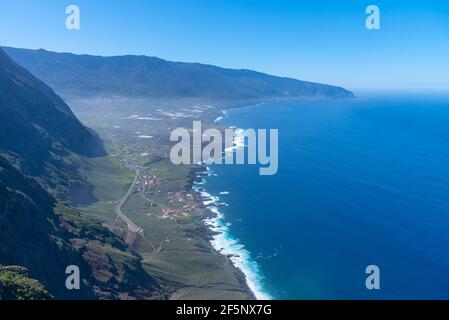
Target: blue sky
(320, 40)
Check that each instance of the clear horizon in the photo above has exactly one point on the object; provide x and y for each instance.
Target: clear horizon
(321, 41)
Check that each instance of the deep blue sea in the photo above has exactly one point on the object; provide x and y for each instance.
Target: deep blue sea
(360, 182)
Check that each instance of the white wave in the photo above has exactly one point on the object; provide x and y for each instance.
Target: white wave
(224, 115)
(148, 118)
(229, 246)
(239, 138)
(138, 117)
(219, 119)
(237, 143)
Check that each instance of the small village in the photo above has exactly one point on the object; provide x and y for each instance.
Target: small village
(177, 205)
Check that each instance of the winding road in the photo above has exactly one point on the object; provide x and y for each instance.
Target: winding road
(118, 210)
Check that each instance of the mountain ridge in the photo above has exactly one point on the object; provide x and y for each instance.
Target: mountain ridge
(143, 76)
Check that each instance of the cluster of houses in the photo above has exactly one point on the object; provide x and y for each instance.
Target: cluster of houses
(176, 198)
(179, 196)
(147, 185)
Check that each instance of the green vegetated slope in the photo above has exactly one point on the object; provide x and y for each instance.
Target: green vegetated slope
(42, 145)
(16, 284)
(176, 252)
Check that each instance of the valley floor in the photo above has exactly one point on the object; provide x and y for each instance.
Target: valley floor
(141, 196)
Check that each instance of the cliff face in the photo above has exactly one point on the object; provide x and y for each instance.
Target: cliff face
(39, 130)
(141, 76)
(36, 119)
(37, 136)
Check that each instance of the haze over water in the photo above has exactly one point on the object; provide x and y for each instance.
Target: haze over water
(360, 182)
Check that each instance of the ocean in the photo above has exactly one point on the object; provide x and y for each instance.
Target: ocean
(360, 182)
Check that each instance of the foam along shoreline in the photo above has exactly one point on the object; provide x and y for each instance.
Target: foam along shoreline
(229, 246)
(223, 241)
(224, 115)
